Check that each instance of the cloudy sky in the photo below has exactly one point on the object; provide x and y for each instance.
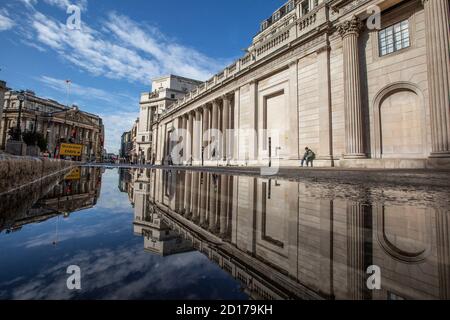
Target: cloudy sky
(121, 46)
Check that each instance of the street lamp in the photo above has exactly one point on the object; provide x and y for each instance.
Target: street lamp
(21, 99)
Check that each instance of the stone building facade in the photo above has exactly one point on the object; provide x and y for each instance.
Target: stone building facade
(3, 89)
(126, 145)
(324, 74)
(56, 122)
(134, 146)
(166, 90)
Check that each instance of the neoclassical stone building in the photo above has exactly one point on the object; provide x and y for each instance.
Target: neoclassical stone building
(324, 74)
(56, 122)
(3, 89)
(166, 90)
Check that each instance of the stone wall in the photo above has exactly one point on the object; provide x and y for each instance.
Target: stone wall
(18, 171)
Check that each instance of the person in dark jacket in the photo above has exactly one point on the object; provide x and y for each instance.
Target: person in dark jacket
(308, 157)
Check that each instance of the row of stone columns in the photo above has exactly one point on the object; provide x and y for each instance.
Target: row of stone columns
(438, 64)
(199, 138)
(205, 199)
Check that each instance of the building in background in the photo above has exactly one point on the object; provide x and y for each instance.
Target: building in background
(3, 89)
(55, 122)
(321, 74)
(166, 90)
(126, 145)
(134, 147)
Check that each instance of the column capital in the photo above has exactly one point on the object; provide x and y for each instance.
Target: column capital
(216, 101)
(227, 96)
(349, 27)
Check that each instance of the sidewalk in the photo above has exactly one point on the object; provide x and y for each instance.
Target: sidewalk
(406, 177)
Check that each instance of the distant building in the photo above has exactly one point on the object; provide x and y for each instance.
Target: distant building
(3, 89)
(56, 122)
(134, 147)
(166, 90)
(125, 146)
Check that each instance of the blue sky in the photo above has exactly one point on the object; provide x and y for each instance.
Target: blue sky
(121, 46)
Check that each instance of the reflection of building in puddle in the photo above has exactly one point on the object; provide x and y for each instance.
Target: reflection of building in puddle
(77, 190)
(286, 239)
(158, 237)
(126, 183)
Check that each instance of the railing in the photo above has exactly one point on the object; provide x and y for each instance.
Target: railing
(307, 21)
(288, 32)
(272, 43)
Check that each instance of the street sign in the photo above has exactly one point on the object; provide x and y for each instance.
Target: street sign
(75, 174)
(70, 149)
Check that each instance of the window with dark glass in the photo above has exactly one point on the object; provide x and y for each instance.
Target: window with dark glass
(394, 38)
(305, 7)
(290, 6)
(276, 16)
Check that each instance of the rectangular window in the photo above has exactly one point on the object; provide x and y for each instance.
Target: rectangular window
(290, 6)
(394, 38)
(305, 7)
(276, 16)
(264, 25)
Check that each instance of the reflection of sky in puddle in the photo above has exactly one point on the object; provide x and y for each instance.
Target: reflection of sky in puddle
(268, 238)
(112, 260)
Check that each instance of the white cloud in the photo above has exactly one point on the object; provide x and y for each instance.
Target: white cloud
(6, 22)
(116, 124)
(119, 48)
(62, 4)
(122, 49)
(79, 90)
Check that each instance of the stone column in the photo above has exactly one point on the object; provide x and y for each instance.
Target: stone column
(443, 252)
(183, 123)
(205, 139)
(230, 207)
(325, 114)
(223, 204)
(438, 53)
(190, 122)
(182, 193)
(195, 195)
(196, 145)
(215, 125)
(187, 194)
(225, 127)
(354, 140)
(213, 202)
(203, 197)
(356, 255)
(236, 125)
(179, 190)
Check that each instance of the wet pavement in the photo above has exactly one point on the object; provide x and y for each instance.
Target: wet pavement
(147, 233)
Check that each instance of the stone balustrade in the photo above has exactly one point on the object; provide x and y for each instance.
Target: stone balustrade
(293, 29)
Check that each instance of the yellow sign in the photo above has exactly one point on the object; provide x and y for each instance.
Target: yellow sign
(70, 149)
(75, 174)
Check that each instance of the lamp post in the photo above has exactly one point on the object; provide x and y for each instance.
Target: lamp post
(21, 99)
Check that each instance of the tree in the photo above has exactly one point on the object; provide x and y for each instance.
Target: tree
(35, 139)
